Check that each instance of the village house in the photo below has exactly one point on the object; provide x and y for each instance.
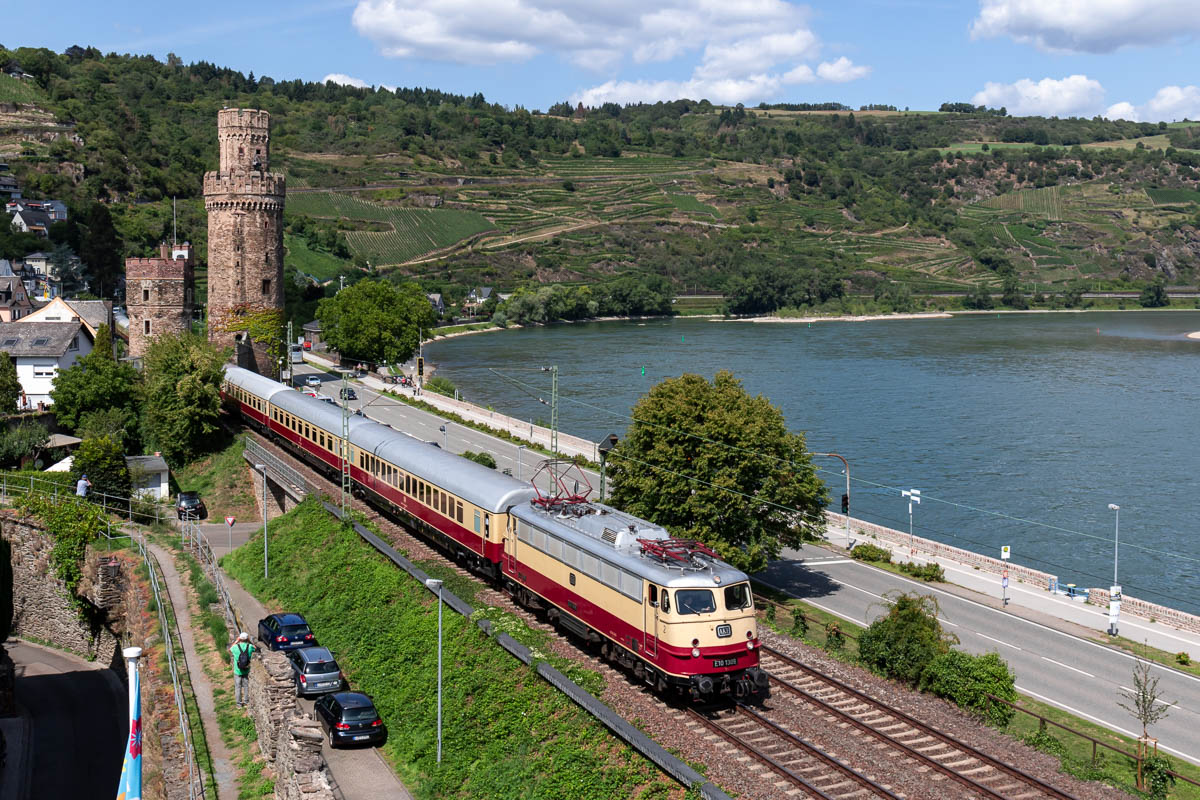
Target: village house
(40, 351)
(14, 299)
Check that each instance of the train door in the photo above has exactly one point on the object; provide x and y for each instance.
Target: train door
(510, 545)
(650, 621)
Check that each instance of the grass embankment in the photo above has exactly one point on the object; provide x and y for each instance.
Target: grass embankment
(321, 266)
(506, 733)
(221, 480)
(1074, 752)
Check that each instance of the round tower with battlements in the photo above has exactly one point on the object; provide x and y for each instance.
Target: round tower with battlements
(244, 200)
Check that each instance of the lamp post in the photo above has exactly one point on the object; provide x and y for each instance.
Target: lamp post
(1114, 594)
(604, 449)
(445, 437)
(846, 501)
(262, 468)
(520, 450)
(914, 496)
(435, 585)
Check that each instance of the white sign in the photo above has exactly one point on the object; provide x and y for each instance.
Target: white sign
(1004, 581)
(1006, 552)
(229, 521)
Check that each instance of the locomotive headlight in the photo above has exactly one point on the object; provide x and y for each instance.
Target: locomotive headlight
(749, 645)
(695, 652)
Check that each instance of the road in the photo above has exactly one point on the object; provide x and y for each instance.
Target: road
(1052, 659)
(79, 722)
(1052, 665)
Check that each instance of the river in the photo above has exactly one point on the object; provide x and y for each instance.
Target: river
(1019, 429)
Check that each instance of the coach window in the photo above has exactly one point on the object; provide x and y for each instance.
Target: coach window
(459, 509)
(477, 525)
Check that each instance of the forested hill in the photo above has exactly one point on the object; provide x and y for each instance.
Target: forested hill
(774, 206)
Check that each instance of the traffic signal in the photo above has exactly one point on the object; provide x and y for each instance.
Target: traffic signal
(846, 504)
(420, 367)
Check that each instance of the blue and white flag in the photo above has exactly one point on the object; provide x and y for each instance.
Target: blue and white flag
(130, 787)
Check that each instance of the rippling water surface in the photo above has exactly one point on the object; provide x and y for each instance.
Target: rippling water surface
(1018, 429)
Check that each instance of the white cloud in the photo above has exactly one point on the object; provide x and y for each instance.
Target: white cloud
(842, 71)
(1087, 26)
(738, 49)
(345, 80)
(1122, 110)
(1075, 95)
(1169, 103)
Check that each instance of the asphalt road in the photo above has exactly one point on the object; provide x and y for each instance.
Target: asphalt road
(1051, 665)
(79, 723)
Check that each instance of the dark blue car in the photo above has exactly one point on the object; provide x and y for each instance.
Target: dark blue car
(350, 718)
(285, 632)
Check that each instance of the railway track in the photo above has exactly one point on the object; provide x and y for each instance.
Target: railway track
(800, 763)
(802, 767)
(978, 774)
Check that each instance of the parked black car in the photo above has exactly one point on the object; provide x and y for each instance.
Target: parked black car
(346, 393)
(285, 632)
(315, 671)
(189, 504)
(350, 718)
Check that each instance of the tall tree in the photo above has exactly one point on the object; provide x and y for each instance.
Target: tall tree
(103, 461)
(100, 250)
(710, 462)
(10, 386)
(182, 376)
(376, 321)
(96, 382)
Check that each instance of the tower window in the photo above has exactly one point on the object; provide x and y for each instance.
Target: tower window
(266, 286)
(145, 295)
(146, 327)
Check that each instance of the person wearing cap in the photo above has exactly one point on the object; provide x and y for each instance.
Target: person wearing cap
(241, 678)
(82, 485)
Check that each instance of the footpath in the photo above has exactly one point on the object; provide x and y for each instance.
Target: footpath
(358, 774)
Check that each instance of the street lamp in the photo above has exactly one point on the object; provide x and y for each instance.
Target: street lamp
(435, 585)
(604, 449)
(520, 448)
(1114, 594)
(846, 498)
(263, 469)
(445, 437)
(914, 496)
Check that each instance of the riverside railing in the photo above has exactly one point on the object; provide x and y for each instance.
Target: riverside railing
(195, 779)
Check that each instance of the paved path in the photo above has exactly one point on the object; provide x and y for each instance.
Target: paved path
(222, 758)
(78, 713)
(360, 774)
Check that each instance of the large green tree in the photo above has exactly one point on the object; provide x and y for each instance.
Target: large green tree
(101, 250)
(10, 386)
(710, 462)
(96, 382)
(376, 321)
(182, 376)
(103, 461)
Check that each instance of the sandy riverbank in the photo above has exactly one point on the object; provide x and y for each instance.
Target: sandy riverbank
(849, 318)
(1194, 335)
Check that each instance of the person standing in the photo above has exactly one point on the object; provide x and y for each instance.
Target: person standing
(240, 652)
(82, 485)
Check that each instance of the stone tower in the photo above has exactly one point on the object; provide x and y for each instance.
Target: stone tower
(244, 201)
(158, 295)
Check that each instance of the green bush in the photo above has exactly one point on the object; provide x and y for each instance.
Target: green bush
(924, 572)
(440, 385)
(1158, 777)
(902, 643)
(1183, 658)
(480, 458)
(870, 552)
(799, 624)
(966, 680)
(1041, 740)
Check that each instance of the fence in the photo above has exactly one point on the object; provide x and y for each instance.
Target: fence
(195, 776)
(139, 510)
(194, 541)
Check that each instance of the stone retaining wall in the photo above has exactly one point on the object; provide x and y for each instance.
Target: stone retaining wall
(1151, 611)
(289, 739)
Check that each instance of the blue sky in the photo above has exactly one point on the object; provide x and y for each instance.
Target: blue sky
(1134, 59)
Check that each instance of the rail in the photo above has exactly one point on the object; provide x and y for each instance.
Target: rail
(139, 510)
(195, 777)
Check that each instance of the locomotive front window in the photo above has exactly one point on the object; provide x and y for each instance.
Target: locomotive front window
(737, 597)
(694, 601)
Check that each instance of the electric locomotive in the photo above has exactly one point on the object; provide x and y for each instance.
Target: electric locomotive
(669, 610)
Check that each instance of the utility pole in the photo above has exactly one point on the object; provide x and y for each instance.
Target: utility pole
(345, 398)
(553, 408)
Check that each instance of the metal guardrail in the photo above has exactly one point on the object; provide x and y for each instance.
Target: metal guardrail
(195, 778)
(257, 454)
(195, 542)
(133, 509)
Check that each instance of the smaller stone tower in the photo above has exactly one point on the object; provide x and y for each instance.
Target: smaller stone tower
(158, 295)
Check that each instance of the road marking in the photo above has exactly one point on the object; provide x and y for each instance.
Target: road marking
(997, 641)
(1068, 666)
(1132, 691)
(1105, 723)
(807, 562)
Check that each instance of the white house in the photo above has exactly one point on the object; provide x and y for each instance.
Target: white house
(40, 350)
(150, 476)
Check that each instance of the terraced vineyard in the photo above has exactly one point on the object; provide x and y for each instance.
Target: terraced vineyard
(631, 166)
(415, 231)
(14, 90)
(1042, 202)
